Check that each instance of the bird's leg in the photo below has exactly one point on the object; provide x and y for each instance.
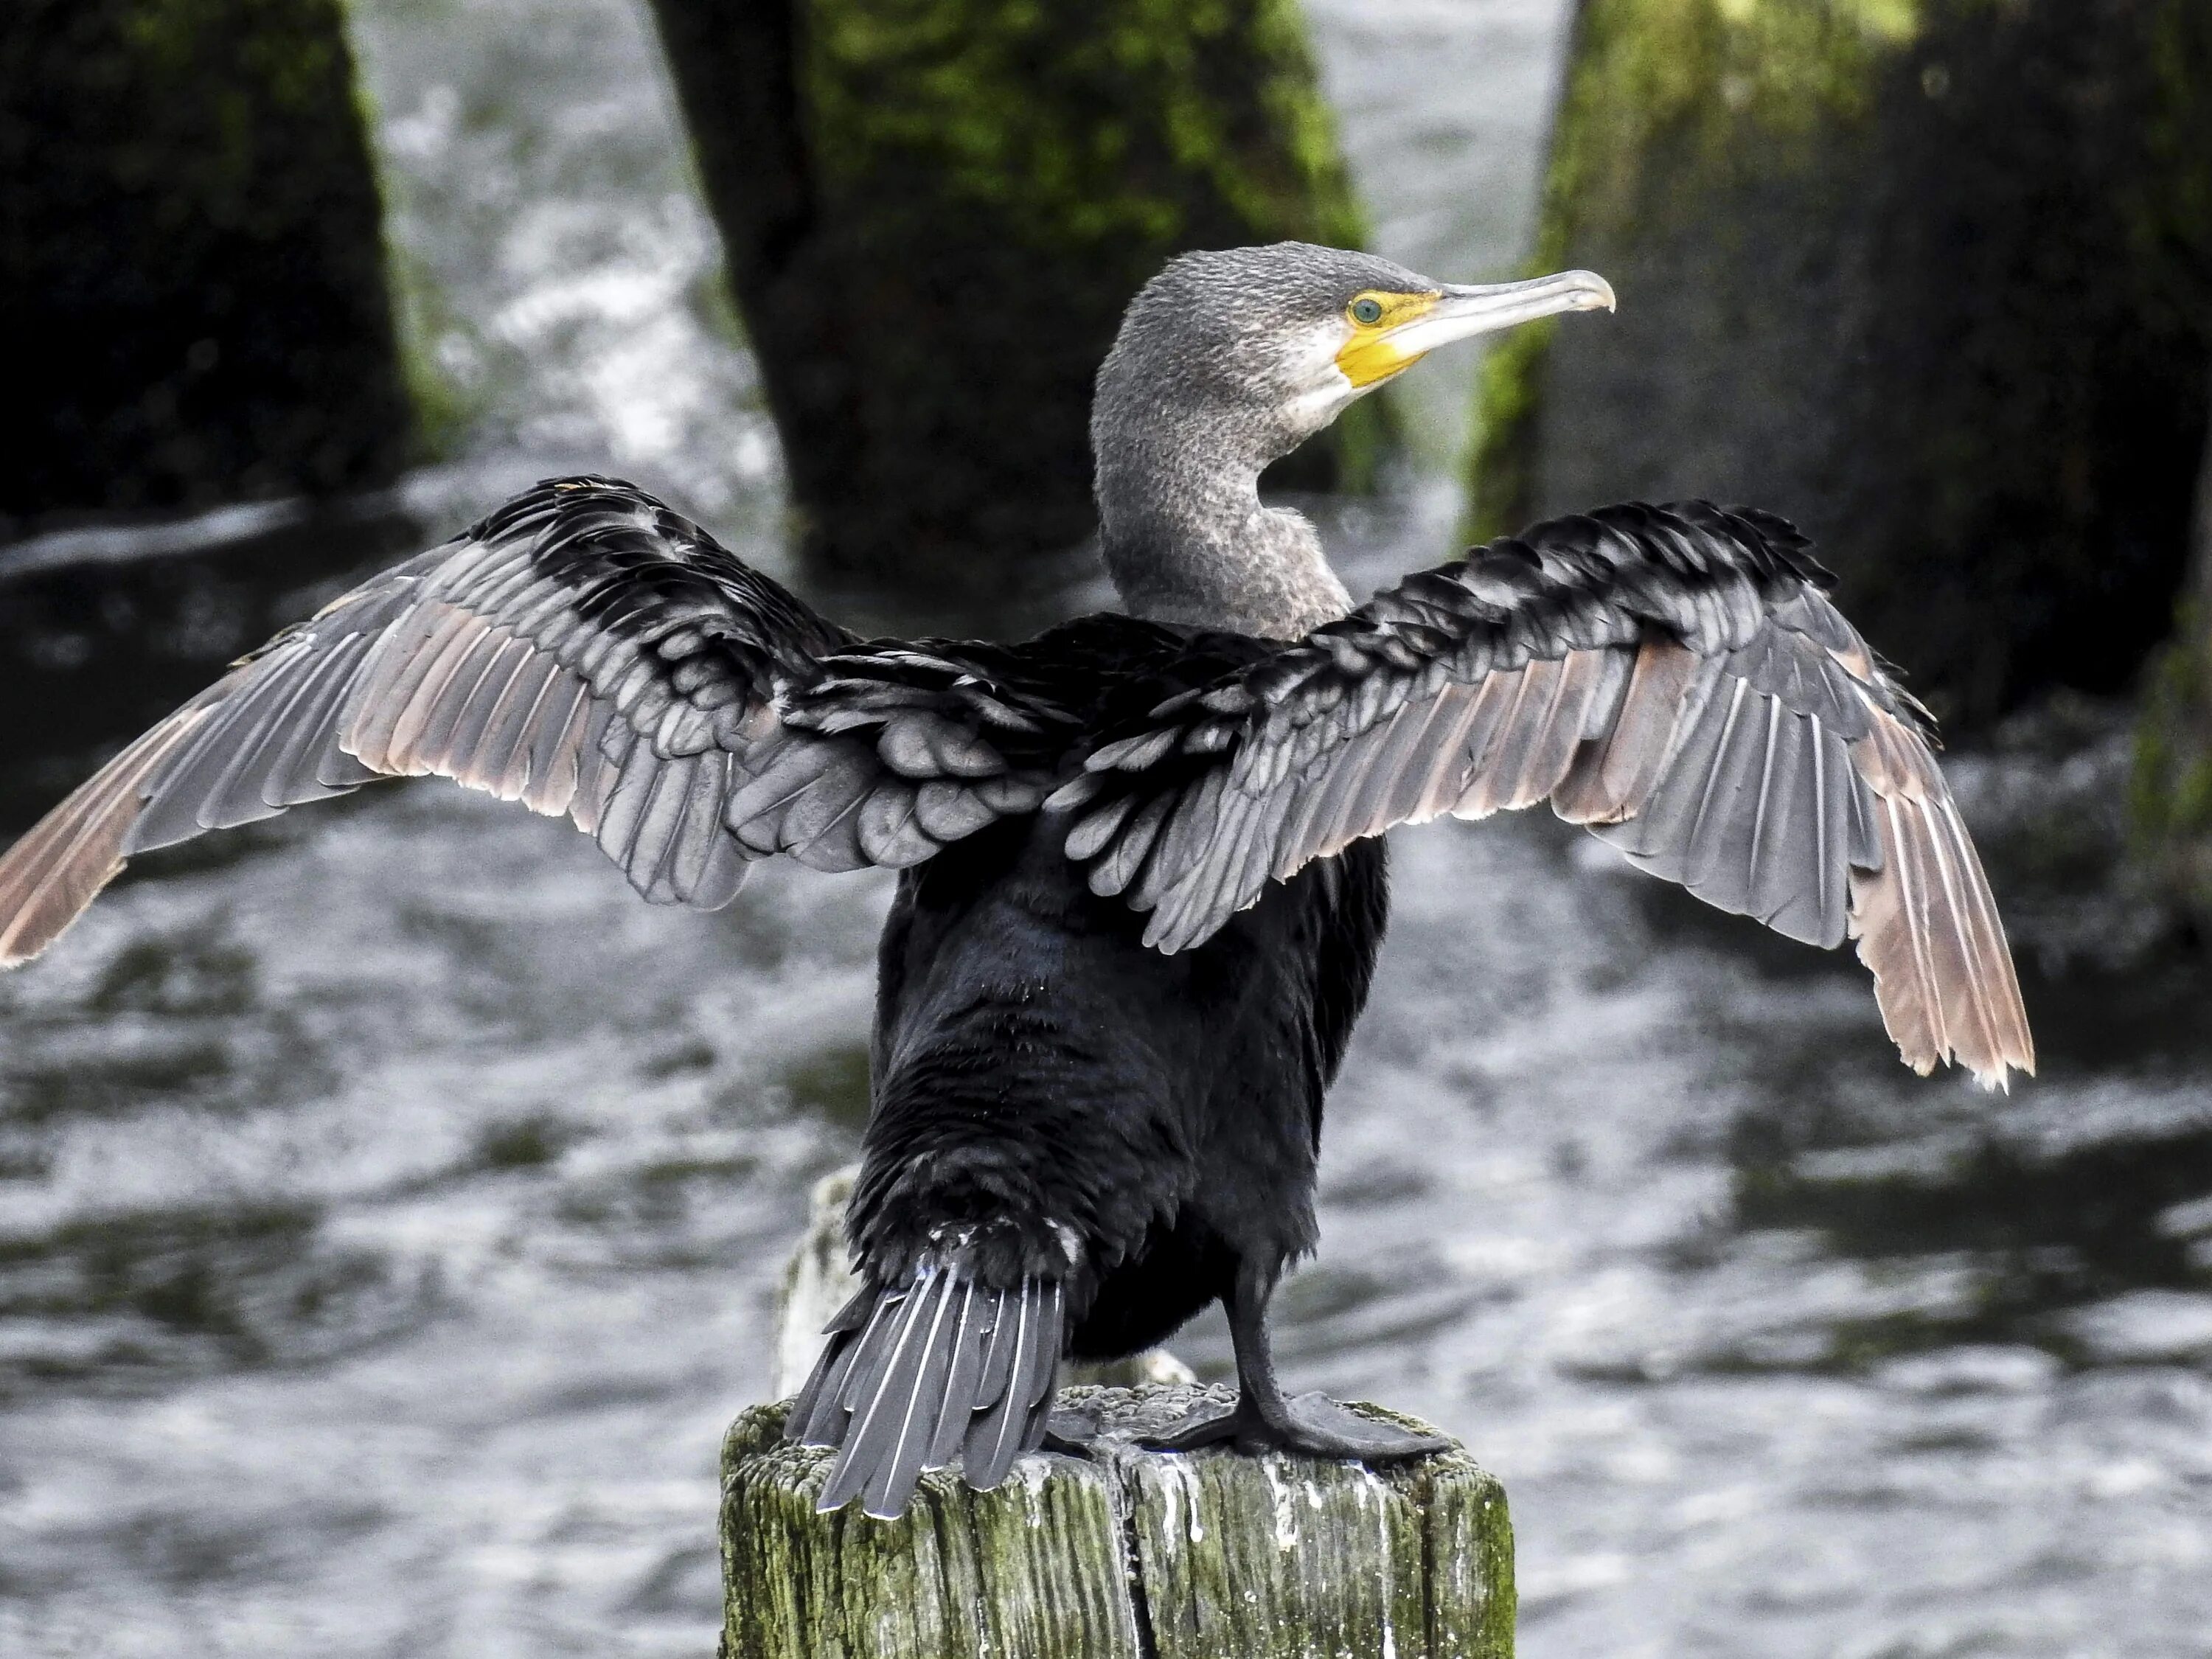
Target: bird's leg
(1265, 1420)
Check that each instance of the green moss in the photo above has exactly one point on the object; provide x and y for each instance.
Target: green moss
(1778, 65)
(2171, 786)
(1698, 79)
(1932, 277)
(2166, 204)
(1506, 404)
(1705, 89)
(444, 410)
(1142, 122)
(931, 273)
(2168, 209)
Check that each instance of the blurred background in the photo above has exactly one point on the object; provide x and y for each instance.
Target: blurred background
(391, 1207)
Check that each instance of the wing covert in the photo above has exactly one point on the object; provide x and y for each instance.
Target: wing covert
(588, 653)
(1674, 677)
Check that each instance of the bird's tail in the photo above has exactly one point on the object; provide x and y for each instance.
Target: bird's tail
(917, 1373)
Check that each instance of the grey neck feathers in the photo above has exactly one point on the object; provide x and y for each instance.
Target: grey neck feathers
(1185, 537)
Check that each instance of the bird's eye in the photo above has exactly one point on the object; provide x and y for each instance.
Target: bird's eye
(1367, 309)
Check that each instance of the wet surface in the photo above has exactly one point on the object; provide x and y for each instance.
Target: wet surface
(390, 1205)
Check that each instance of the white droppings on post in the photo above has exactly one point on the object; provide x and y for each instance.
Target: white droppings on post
(1179, 1480)
(1370, 1482)
(1036, 1472)
(1285, 1504)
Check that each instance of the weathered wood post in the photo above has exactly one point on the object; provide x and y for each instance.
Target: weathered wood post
(1934, 278)
(1128, 1555)
(1122, 1554)
(933, 214)
(191, 260)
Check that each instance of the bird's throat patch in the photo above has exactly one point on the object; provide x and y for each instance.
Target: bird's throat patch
(1370, 356)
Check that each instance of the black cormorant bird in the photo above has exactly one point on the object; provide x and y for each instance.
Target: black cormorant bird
(1141, 891)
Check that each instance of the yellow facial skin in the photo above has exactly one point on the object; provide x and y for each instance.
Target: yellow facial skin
(1368, 357)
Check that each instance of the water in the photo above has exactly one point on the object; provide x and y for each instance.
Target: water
(390, 1206)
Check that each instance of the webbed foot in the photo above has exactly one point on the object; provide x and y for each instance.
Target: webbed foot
(1073, 1430)
(1308, 1425)
(1209, 1425)
(1319, 1427)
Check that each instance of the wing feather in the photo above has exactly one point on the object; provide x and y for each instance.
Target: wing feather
(1613, 773)
(1924, 919)
(472, 719)
(588, 653)
(76, 850)
(1673, 678)
(499, 761)
(305, 762)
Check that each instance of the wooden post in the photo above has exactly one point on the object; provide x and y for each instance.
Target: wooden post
(1127, 1554)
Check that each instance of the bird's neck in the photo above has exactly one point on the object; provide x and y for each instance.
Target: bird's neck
(1187, 539)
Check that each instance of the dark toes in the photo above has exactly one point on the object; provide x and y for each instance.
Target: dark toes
(1209, 1426)
(1319, 1427)
(1073, 1430)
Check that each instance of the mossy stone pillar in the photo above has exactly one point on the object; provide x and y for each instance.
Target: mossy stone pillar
(934, 212)
(1124, 1555)
(191, 266)
(2173, 739)
(1932, 277)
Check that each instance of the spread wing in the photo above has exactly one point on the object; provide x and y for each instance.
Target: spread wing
(589, 652)
(1674, 677)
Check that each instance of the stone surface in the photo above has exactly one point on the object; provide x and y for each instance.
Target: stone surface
(934, 212)
(192, 263)
(1932, 277)
(1126, 1552)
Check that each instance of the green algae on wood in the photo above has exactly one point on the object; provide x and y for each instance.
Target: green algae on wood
(934, 212)
(1932, 277)
(190, 250)
(1128, 1553)
(1031, 1569)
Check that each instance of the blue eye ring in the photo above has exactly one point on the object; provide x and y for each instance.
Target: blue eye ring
(1367, 310)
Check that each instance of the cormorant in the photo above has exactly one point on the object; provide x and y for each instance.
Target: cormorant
(1141, 889)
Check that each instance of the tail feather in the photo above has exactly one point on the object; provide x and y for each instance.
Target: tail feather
(881, 1458)
(1013, 1424)
(963, 1380)
(823, 1395)
(941, 1366)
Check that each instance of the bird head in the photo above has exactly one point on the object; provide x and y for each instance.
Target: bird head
(1273, 342)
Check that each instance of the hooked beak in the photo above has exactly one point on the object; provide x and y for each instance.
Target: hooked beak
(1460, 312)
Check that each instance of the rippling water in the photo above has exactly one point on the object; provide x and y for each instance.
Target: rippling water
(390, 1206)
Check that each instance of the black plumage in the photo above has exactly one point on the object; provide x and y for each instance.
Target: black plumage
(1142, 886)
